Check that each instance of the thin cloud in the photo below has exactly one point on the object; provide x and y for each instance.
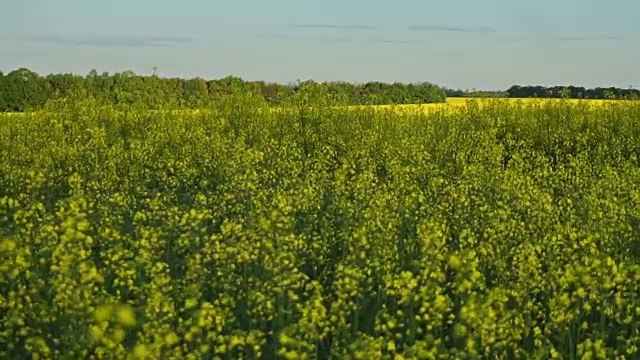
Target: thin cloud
(587, 38)
(574, 38)
(448, 28)
(333, 26)
(108, 40)
(303, 38)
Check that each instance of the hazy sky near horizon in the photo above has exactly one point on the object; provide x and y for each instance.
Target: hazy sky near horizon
(489, 44)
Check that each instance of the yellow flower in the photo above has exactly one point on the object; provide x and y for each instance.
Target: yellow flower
(103, 312)
(141, 352)
(126, 316)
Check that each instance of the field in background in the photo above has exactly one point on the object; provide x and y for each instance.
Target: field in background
(463, 101)
(457, 102)
(450, 103)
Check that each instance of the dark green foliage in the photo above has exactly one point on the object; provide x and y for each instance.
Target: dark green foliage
(23, 89)
(571, 92)
(3, 103)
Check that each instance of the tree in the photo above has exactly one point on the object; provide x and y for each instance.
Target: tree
(196, 93)
(61, 84)
(24, 90)
(3, 103)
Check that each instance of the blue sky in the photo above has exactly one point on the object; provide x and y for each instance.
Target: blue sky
(489, 44)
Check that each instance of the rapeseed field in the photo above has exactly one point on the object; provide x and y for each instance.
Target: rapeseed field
(500, 229)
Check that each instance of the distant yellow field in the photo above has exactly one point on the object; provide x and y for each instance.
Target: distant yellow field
(459, 102)
(450, 103)
(463, 101)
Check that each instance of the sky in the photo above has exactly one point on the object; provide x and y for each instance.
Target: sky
(465, 44)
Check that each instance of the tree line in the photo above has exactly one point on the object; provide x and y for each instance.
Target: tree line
(474, 93)
(530, 91)
(23, 89)
(572, 92)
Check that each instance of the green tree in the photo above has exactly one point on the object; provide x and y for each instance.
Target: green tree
(25, 90)
(61, 84)
(196, 93)
(3, 103)
(129, 89)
